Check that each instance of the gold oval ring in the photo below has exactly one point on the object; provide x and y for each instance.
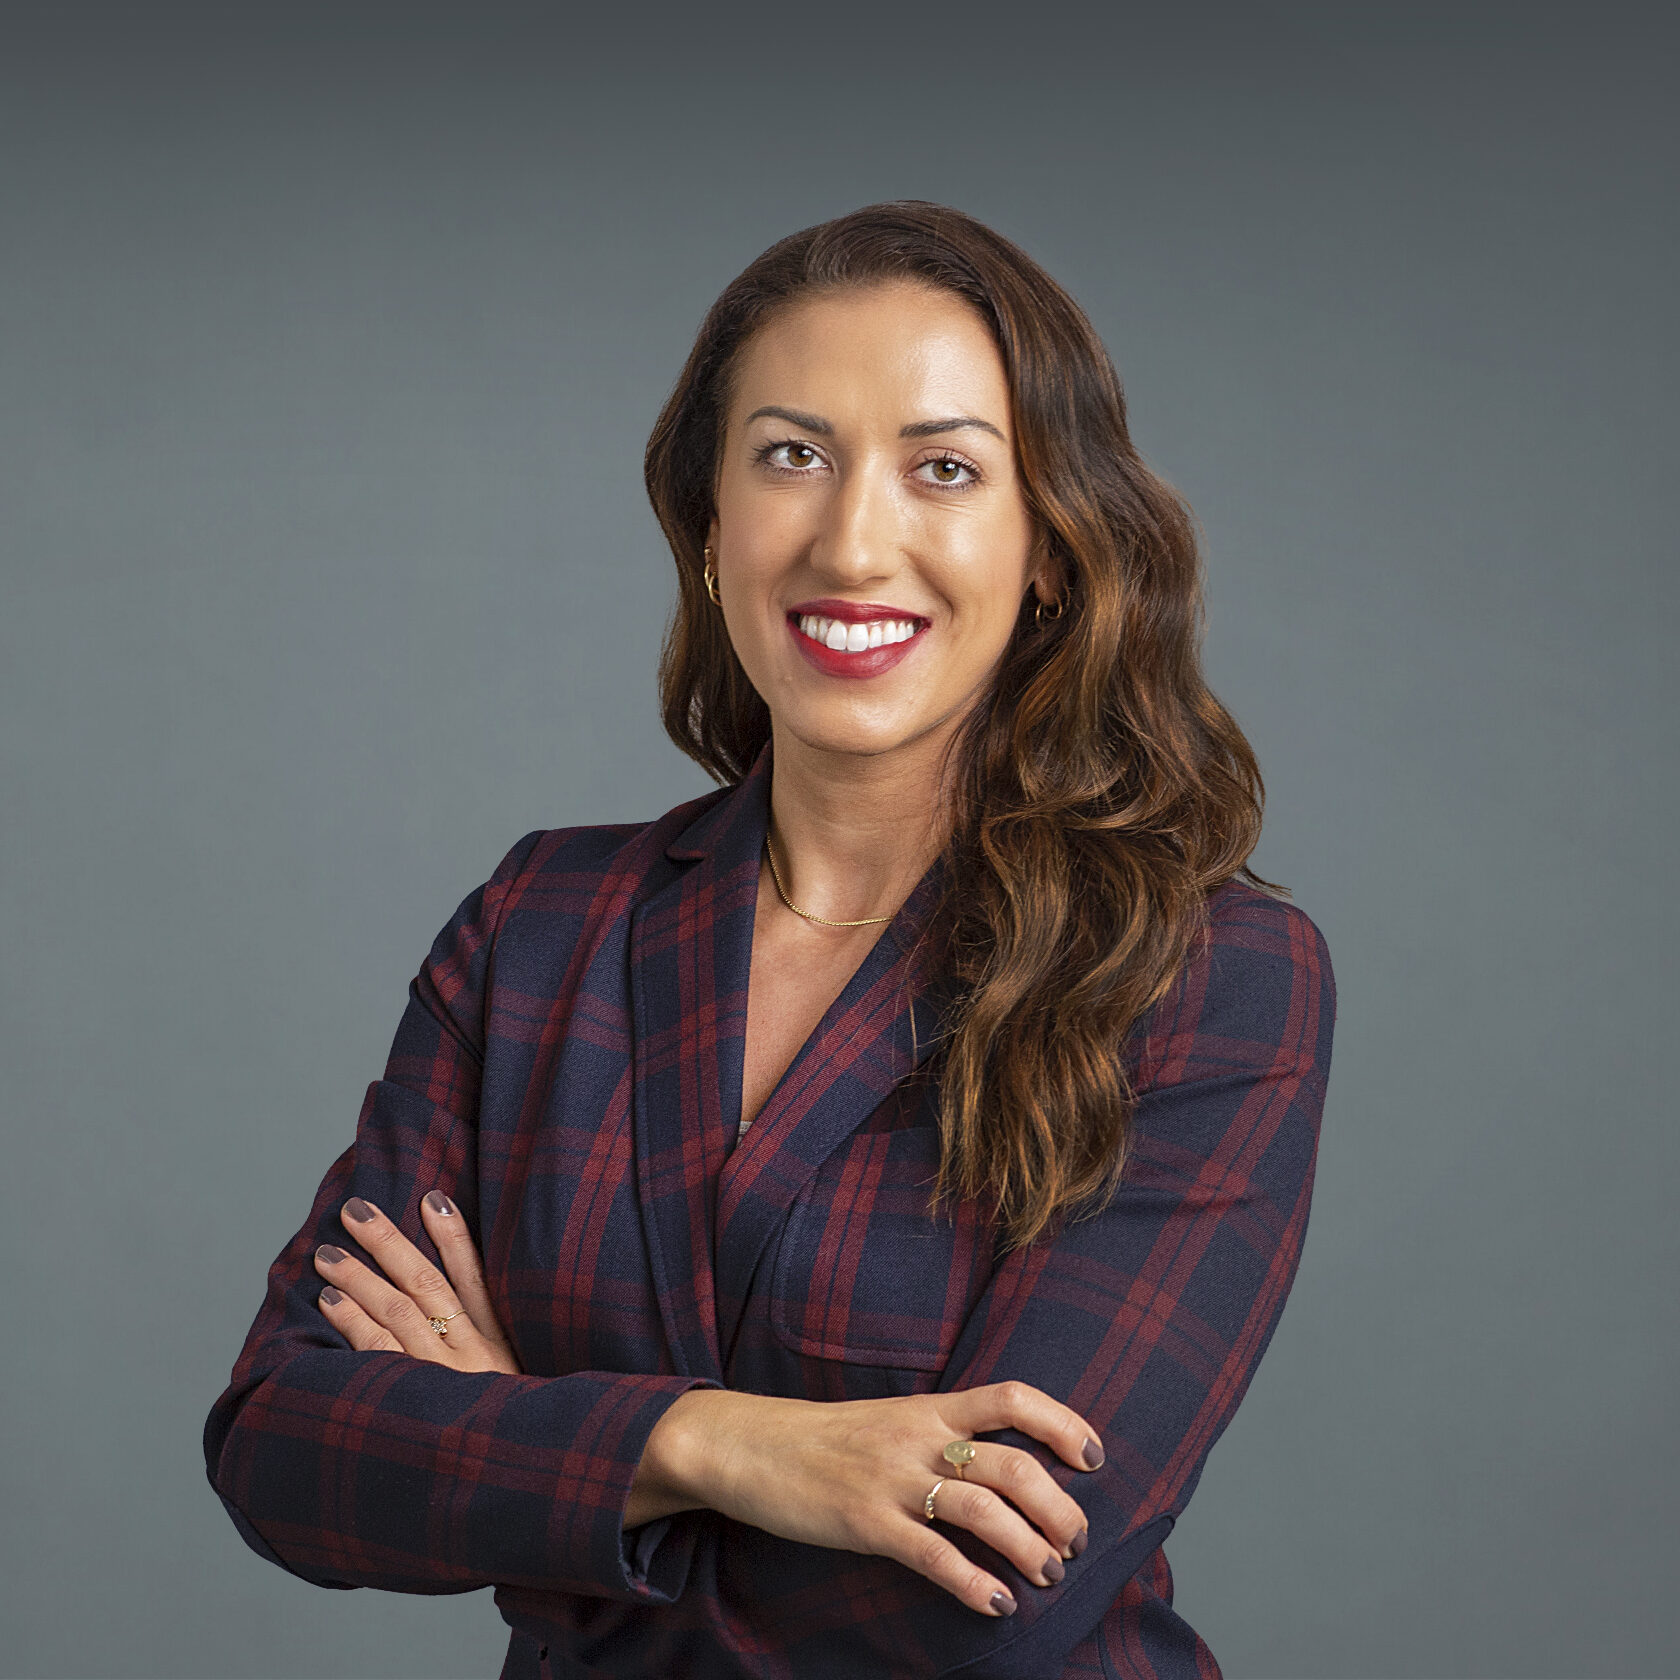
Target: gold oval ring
(960, 1454)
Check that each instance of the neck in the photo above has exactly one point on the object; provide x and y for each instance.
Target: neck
(854, 834)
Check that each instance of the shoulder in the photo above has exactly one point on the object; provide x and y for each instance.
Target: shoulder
(573, 869)
(1259, 943)
(1257, 991)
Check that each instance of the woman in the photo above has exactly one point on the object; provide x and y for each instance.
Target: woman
(889, 1169)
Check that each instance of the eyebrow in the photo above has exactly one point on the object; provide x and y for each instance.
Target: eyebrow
(956, 423)
(917, 429)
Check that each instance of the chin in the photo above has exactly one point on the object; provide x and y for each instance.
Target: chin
(855, 731)
(850, 741)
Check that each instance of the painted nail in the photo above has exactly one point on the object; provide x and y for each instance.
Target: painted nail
(438, 1202)
(358, 1210)
(1093, 1454)
(328, 1254)
(1080, 1541)
(331, 1296)
(1002, 1603)
(1053, 1569)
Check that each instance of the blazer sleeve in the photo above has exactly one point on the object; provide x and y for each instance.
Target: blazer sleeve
(1150, 1317)
(355, 1469)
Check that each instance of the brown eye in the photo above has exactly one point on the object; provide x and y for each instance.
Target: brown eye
(947, 469)
(789, 457)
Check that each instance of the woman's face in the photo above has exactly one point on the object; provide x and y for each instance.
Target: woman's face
(872, 541)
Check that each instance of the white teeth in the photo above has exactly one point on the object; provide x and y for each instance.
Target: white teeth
(843, 637)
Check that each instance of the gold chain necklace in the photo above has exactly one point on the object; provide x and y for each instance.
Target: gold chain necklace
(822, 921)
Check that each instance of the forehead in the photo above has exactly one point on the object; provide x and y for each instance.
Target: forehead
(896, 346)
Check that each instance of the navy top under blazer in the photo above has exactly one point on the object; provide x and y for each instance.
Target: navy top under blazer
(568, 1069)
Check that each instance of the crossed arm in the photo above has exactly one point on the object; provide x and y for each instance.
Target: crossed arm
(436, 1465)
(851, 1475)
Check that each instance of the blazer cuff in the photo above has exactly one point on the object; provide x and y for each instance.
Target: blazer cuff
(650, 1563)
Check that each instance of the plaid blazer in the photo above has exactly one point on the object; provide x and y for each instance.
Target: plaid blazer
(568, 1069)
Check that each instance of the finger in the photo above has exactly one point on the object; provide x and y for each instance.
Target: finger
(1049, 1514)
(975, 1506)
(446, 1227)
(1018, 1405)
(389, 1308)
(928, 1552)
(354, 1325)
(406, 1267)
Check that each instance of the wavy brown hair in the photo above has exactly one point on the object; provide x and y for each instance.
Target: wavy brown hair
(1100, 790)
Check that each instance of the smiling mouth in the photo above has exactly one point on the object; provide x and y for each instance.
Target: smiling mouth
(841, 635)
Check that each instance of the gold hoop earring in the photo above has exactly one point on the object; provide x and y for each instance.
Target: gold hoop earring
(711, 578)
(1039, 614)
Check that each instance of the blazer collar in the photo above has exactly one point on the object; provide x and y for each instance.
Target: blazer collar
(733, 822)
(710, 1206)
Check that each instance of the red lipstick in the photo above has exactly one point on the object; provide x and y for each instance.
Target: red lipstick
(842, 662)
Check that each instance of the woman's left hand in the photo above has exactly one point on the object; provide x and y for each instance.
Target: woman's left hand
(399, 1311)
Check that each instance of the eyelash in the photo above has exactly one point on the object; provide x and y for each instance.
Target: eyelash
(761, 457)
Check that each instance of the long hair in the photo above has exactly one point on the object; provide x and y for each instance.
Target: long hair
(1100, 791)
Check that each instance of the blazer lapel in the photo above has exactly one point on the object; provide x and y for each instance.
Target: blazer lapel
(690, 961)
(710, 1206)
(886, 1022)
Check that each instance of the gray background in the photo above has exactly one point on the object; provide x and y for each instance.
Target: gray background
(330, 339)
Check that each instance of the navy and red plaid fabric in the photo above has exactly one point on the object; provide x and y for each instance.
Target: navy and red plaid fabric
(568, 1069)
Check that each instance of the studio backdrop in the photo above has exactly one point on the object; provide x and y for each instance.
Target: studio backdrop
(330, 338)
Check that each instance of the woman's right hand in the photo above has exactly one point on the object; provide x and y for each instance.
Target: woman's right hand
(854, 1475)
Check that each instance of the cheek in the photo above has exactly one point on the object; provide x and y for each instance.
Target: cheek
(762, 535)
(983, 574)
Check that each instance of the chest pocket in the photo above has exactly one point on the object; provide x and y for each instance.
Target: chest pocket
(864, 1274)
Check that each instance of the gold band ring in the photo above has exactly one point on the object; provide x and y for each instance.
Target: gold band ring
(441, 1325)
(927, 1504)
(959, 1454)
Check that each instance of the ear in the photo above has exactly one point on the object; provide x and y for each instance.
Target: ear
(1045, 573)
(711, 536)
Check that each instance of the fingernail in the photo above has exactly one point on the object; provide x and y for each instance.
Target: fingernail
(358, 1210)
(1093, 1454)
(331, 1296)
(1053, 1569)
(1002, 1603)
(1080, 1541)
(330, 1255)
(438, 1202)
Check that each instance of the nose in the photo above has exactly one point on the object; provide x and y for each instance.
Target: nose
(860, 539)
